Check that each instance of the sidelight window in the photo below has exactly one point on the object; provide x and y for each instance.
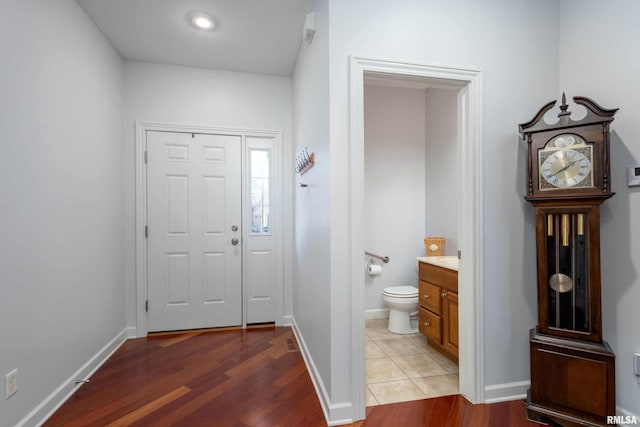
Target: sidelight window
(260, 190)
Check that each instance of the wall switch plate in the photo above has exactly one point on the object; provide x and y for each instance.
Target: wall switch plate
(633, 176)
(636, 364)
(11, 383)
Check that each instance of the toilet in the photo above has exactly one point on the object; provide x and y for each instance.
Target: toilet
(403, 303)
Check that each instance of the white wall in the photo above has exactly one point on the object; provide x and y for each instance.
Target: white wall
(410, 179)
(61, 198)
(394, 205)
(312, 306)
(441, 188)
(599, 45)
(514, 43)
(182, 95)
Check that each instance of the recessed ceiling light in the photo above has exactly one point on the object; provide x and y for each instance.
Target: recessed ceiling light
(202, 21)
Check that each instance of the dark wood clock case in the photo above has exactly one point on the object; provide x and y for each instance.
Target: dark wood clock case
(572, 368)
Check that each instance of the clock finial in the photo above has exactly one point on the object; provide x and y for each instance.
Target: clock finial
(564, 114)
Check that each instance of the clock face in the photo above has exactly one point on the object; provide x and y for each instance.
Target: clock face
(565, 162)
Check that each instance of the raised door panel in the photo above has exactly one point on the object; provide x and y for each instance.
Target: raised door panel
(213, 205)
(450, 323)
(177, 278)
(214, 272)
(177, 204)
(570, 382)
(260, 265)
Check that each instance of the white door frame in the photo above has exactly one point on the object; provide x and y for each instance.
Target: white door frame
(141, 129)
(469, 84)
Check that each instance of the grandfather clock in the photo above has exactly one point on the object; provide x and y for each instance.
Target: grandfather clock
(568, 178)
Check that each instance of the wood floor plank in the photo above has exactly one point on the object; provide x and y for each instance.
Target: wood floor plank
(178, 339)
(239, 378)
(141, 412)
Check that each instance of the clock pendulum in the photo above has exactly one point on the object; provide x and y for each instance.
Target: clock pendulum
(568, 179)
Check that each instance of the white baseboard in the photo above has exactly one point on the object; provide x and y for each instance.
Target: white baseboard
(518, 391)
(287, 320)
(376, 313)
(55, 400)
(318, 384)
(334, 413)
(505, 392)
(340, 414)
(628, 417)
(131, 332)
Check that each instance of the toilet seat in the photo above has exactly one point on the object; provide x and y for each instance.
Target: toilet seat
(401, 291)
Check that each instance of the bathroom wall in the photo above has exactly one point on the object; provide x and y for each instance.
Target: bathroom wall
(394, 224)
(410, 180)
(441, 184)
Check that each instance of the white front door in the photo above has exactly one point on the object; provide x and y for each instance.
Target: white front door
(194, 197)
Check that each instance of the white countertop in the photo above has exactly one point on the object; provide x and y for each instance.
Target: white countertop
(449, 262)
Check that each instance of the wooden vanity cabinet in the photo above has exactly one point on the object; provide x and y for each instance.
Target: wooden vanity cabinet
(438, 311)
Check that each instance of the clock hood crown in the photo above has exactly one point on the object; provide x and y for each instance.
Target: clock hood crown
(568, 159)
(595, 114)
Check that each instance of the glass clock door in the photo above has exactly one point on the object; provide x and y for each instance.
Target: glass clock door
(567, 275)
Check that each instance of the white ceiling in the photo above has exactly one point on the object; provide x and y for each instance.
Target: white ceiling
(258, 36)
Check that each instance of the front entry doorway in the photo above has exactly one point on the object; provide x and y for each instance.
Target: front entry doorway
(194, 217)
(211, 206)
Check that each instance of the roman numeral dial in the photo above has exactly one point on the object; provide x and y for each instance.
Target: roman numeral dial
(565, 168)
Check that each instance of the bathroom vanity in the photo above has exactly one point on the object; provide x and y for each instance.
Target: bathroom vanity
(438, 295)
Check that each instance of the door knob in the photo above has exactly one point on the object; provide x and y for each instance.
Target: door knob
(234, 228)
(234, 241)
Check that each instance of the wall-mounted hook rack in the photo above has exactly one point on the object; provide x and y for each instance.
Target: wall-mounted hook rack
(304, 161)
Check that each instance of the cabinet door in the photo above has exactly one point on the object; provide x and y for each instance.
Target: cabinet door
(450, 322)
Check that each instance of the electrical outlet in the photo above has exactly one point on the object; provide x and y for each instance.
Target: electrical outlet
(11, 383)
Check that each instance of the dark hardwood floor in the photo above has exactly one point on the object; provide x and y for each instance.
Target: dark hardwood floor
(235, 378)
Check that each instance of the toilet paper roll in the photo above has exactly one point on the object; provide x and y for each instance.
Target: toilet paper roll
(374, 270)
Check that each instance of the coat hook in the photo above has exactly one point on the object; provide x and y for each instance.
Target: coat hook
(304, 161)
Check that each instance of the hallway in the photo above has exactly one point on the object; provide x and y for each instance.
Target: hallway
(233, 377)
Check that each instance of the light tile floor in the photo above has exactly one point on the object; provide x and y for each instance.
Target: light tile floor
(404, 367)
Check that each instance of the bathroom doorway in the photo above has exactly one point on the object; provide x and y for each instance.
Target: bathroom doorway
(467, 86)
(410, 186)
